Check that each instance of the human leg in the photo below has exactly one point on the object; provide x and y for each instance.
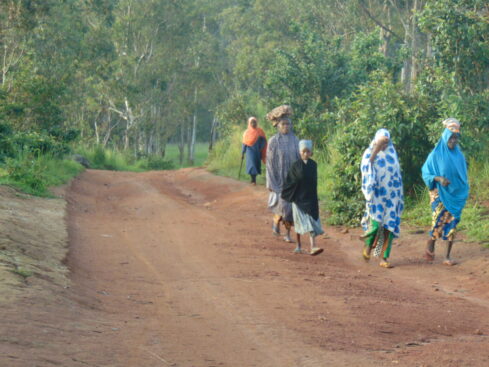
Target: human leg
(288, 227)
(253, 179)
(312, 240)
(370, 239)
(276, 224)
(298, 249)
(447, 260)
(430, 250)
(386, 248)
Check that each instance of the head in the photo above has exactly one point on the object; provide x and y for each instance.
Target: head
(284, 125)
(252, 122)
(305, 149)
(382, 139)
(453, 141)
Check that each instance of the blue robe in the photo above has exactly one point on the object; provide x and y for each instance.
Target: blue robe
(448, 163)
(253, 156)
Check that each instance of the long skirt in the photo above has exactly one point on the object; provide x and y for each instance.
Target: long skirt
(281, 208)
(374, 239)
(444, 224)
(304, 223)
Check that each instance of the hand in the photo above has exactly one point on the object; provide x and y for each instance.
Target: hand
(443, 181)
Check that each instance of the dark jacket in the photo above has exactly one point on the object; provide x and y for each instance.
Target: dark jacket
(301, 187)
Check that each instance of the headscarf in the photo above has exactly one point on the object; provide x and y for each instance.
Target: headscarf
(380, 134)
(382, 186)
(305, 144)
(251, 135)
(452, 124)
(451, 164)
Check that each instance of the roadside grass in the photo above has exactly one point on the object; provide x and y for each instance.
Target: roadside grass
(108, 159)
(34, 174)
(172, 154)
(24, 273)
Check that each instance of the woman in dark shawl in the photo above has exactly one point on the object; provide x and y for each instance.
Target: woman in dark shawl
(300, 189)
(255, 148)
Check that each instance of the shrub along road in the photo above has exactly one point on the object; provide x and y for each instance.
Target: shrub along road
(179, 268)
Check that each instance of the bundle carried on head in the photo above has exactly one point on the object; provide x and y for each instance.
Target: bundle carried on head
(279, 113)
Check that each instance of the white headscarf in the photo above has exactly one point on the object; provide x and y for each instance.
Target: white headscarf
(305, 144)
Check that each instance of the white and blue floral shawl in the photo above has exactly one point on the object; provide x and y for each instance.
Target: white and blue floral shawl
(382, 186)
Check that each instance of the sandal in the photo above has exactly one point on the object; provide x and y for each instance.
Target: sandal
(298, 250)
(288, 239)
(449, 262)
(365, 254)
(428, 255)
(316, 251)
(386, 265)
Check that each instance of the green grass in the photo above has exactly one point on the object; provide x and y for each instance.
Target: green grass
(102, 158)
(24, 273)
(172, 154)
(34, 174)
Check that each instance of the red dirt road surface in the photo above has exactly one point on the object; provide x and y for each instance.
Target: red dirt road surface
(179, 268)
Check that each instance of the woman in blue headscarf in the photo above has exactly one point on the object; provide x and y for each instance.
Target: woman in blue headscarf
(382, 188)
(445, 174)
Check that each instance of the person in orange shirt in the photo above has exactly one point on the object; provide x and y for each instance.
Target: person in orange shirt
(255, 148)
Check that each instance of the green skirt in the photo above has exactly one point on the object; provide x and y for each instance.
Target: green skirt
(374, 239)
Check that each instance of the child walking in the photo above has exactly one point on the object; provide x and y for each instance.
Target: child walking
(300, 189)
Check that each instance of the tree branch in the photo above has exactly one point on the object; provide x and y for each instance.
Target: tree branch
(377, 22)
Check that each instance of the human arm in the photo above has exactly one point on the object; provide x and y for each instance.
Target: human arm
(379, 145)
(271, 171)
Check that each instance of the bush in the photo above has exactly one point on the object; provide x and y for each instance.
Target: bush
(34, 174)
(157, 163)
(379, 104)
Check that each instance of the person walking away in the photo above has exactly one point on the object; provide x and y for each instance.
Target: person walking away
(445, 174)
(282, 152)
(300, 189)
(383, 191)
(255, 148)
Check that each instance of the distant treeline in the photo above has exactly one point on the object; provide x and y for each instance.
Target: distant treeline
(132, 75)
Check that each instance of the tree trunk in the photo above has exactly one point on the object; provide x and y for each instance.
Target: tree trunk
(414, 47)
(191, 155)
(97, 136)
(385, 36)
(213, 133)
(181, 144)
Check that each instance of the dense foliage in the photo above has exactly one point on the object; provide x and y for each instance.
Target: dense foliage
(133, 75)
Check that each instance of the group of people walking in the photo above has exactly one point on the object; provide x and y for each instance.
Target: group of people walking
(291, 178)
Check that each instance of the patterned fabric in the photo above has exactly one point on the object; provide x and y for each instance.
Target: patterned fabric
(376, 240)
(304, 223)
(382, 187)
(282, 152)
(280, 207)
(444, 224)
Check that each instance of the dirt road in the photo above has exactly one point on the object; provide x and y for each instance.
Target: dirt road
(179, 268)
